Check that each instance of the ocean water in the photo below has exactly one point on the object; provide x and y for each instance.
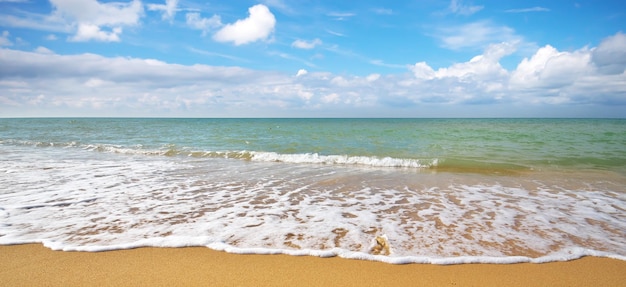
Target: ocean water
(443, 191)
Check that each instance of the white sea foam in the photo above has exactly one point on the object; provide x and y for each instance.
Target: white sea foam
(87, 201)
(341, 159)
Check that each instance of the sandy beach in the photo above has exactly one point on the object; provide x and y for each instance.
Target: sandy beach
(35, 265)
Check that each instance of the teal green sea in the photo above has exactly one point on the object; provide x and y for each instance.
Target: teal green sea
(458, 144)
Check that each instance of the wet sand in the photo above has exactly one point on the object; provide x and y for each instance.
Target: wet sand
(35, 265)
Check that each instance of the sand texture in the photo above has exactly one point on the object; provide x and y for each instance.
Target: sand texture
(35, 265)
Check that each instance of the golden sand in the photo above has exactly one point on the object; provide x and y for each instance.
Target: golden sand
(35, 265)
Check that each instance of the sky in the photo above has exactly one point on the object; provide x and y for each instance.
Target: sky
(317, 58)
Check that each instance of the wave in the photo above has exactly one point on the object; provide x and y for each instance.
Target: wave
(262, 156)
(314, 158)
(258, 156)
(434, 164)
(445, 164)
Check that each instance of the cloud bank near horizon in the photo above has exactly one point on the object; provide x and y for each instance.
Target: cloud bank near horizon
(563, 83)
(171, 58)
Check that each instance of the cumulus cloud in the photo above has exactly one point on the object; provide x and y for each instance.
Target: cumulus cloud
(422, 71)
(552, 69)
(549, 76)
(610, 55)
(258, 26)
(98, 21)
(482, 67)
(88, 32)
(302, 44)
(480, 80)
(195, 21)
(168, 9)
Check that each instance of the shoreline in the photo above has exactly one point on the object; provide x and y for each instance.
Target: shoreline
(36, 265)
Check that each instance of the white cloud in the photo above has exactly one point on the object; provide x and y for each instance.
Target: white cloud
(423, 71)
(51, 23)
(305, 95)
(96, 13)
(480, 80)
(340, 81)
(87, 32)
(69, 82)
(94, 83)
(90, 16)
(205, 24)
(372, 77)
(610, 55)
(258, 26)
(526, 10)
(280, 5)
(302, 44)
(551, 69)
(169, 9)
(548, 77)
(341, 16)
(475, 35)
(548, 83)
(332, 98)
(301, 72)
(483, 67)
(4, 39)
(457, 7)
(335, 33)
(43, 50)
(51, 37)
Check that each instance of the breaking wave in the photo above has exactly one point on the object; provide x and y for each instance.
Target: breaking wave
(260, 156)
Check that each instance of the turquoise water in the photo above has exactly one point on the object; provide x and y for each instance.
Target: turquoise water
(455, 143)
(439, 190)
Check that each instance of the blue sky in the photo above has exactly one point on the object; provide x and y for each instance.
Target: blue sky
(278, 58)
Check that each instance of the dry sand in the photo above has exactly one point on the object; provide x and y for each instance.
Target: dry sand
(35, 265)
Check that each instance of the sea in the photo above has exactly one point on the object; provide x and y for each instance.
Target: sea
(439, 191)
